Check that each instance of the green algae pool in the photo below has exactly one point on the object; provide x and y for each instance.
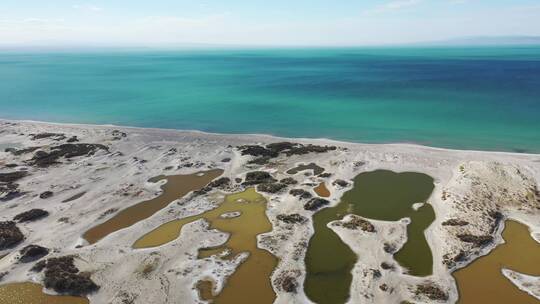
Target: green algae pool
(380, 195)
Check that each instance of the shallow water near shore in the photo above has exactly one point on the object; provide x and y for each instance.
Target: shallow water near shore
(32, 293)
(483, 282)
(250, 283)
(176, 187)
(381, 195)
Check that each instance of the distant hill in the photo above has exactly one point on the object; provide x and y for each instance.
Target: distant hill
(488, 41)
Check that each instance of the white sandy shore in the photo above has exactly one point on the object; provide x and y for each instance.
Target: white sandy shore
(496, 180)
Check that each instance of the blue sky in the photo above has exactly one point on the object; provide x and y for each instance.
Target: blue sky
(257, 22)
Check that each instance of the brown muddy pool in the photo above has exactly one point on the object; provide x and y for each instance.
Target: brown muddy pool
(32, 293)
(250, 283)
(176, 187)
(483, 282)
(321, 190)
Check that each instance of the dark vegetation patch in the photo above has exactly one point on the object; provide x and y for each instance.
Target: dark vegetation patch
(31, 215)
(117, 134)
(11, 177)
(273, 150)
(340, 183)
(315, 203)
(220, 183)
(10, 235)
(389, 247)
(477, 240)
(325, 175)
(289, 284)
(62, 276)
(301, 193)
(288, 181)
(294, 218)
(356, 222)
(46, 194)
(9, 191)
(53, 136)
(497, 219)
(432, 291)
(45, 159)
(387, 266)
(32, 253)
(455, 222)
(271, 187)
(72, 139)
(258, 177)
(18, 152)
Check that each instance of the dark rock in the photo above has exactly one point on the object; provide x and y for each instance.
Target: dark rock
(62, 276)
(477, 240)
(258, 177)
(288, 181)
(340, 183)
(455, 222)
(11, 177)
(315, 203)
(301, 193)
(356, 222)
(32, 253)
(44, 159)
(271, 187)
(432, 291)
(294, 218)
(31, 215)
(46, 194)
(226, 160)
(10, 235)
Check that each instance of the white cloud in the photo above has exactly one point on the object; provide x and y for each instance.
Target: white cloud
(87, 7)
(393, 6)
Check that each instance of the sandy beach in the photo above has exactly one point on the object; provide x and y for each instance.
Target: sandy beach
(474, 193)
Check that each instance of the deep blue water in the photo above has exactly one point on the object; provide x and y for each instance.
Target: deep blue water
(472, 98)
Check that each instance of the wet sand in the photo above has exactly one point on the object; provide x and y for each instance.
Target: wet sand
(176, 187)
(482, 280)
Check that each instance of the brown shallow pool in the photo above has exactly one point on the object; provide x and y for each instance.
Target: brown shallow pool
(250, 283)
(321, 190)
(483, 282)
(176, 187)
(32, 293)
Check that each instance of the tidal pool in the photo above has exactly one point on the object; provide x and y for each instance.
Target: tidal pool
(321, 190)
(381, 195)
(302, 167)
(250, 283)
(483, 282)
(176, 187)
(32, 293)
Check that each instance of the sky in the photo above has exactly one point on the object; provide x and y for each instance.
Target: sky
(258, 22)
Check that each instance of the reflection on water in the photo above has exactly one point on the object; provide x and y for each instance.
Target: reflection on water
(482, 280)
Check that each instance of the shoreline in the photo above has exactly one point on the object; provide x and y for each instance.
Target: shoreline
(269, 136)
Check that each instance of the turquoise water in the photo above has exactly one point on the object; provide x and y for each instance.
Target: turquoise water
(471, 98)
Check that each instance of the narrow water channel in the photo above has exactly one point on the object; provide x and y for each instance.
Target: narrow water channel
(381, 195)
(176, 187)
(32, 293)
(250, 283)
(483, 282)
